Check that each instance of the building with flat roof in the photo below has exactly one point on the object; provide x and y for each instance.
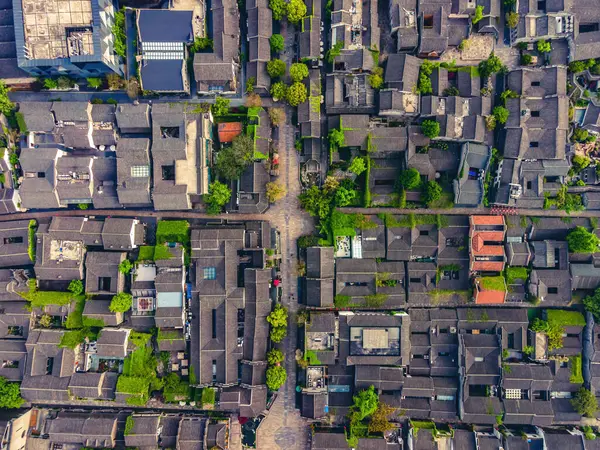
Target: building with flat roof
(66, 37)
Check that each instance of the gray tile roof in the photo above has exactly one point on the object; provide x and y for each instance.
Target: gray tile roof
(133, 118)
(102, 272)
(37, 191)
(38, 116)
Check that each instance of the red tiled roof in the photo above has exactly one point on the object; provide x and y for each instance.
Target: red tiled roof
(487, 266)
(489, 297)
(487, 220)
(228, 131)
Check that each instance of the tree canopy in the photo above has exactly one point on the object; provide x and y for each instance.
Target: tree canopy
(410, 178)
(544, 46)
(10, 395)
(431, 192)
(278, 317)
(277, 334)
(296, 94)
(336, 137)
(277, 115)
(357, 166)
(344, 197)
(296, 10)
(585, 403)
(221, 106)
(581, 240)
(430, 128)
(120, 302)
(379, 422)
(279, 8)
(125, 266)
(275, 191)
(500, 114)
(279, 90)
(274, 356)
(592, 304)
(232, 161)
(489, 66)
(276, 68)
(276, 376)
(277, 42)
(298, 71)
(76, 287)
(365, 402)
(217, 197)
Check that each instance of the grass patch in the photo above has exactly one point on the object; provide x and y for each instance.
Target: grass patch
(493, 283)
(139, 339)
(89, 322)
(446, 201)
(75, 318)
(312, 358)
(342, 301)
(173, 231)
(146, 253)
(576, 375)
(512, 274)
(31, 239)
(43, 298)
(169, 335)
(565, 318)
(176, 389)
(208, 396)
(71, 339)
(150, 253)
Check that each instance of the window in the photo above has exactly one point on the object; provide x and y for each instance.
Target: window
(13, 240)
(41, 174)
(8, 364)
(552, 290)
(535, 83)
(443, 353)
(140, 171)
(169, 132)
(534, 144)
(49, 365)
(535, 114)
(423, 232)
(385, 182)
(428, 20)
(478, 359)
(541, 5)
(15, 331)
(168, 173)
(210, 273)
(513, 394)
(529, 185)
(445, 398)
(104, 284)
(443, 330)
(214, 323)
(415, 280)
(214, 370)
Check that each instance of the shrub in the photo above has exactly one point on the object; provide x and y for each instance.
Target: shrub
(94, 83)
(118, 31)
(585, 403)
(309, 240)
(357, 166)
(512, 19)
(274, 356)
(10, 395)
(279, 90)
(201, 43)
(76, 287)
(125, 266)
(275, 191)
(410, 179)
(334, 51)
(431, 193)
(478, 14)
(376, 78)
(579, 135)
(581, 240)
(277, 116)
(526, 59)
(490, 66)
(296, 11)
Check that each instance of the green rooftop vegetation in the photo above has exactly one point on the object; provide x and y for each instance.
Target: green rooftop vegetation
(513, 274)
(576, 374)
(565, 318)
(154, 253)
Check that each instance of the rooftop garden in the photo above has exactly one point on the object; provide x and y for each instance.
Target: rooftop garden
(492, 283)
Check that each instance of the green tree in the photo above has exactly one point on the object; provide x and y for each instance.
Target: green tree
(379, 422)
(512, 19)
(94, 83)
(277, 334)
(276, 68)
(274, 356)
(365, 403)
(317, 203)
(410, 179)
(336, 138)
(83, 206)
(296, 10)
(376, 78)
(489, 66)
(579, 135)
(279, 8)
(125, 266)
(544, 46)
(276, 376)
(357, 166)
(277, 115)
(592, 304)
(581, 240)
(6, 106)
(430, 128)
(76, 287)
(500, 113)
(50, 83)
(431, 193)
(278, 317)
(344, 197)
(579, 162)
(232, 161)
(585, 403)
(526, 59)
(120, 302)
(279, 90)
(218, 196)
(10, 395)
(508, 94)
(298, 71)
(221, 106)
(277, 43)
(201, 43)
(275, 191)
(478, 14)
(250, 82)
(296, 94)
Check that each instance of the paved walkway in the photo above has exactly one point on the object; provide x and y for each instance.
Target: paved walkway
(284, 428)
